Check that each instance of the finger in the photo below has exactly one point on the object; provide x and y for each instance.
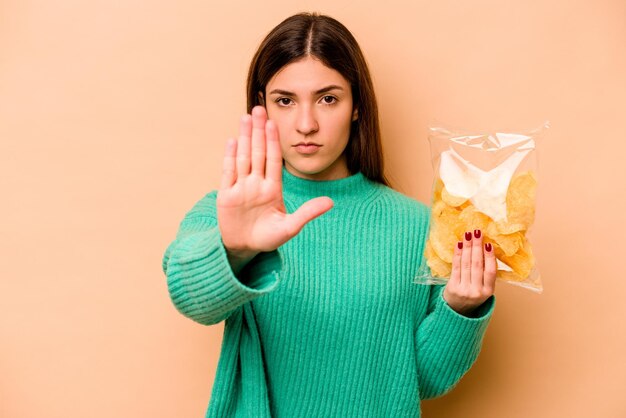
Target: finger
(307, 212)
(229, 175)
(259, 118)
(274, 158)
(490, 268)
(455, 275)
(243, 146)
(477, 259)
(466, 260)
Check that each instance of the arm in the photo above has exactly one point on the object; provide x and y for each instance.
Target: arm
(248, 217)
(448, 343)
(201, 281)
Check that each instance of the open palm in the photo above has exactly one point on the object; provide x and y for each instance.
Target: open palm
(250, 208)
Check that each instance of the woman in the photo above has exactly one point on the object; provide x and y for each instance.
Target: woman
(308, 254)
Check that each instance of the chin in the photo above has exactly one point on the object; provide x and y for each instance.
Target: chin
(309, 167)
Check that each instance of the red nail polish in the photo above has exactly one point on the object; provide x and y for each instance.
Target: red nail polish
(460, 245)
(488, 247)
(468, 236)
(477, 233)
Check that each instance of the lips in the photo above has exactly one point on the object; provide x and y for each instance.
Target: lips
(307, 143)
(305, 148)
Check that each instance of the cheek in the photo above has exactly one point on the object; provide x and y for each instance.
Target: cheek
(283, 138)
(341, 129)
(280, 125)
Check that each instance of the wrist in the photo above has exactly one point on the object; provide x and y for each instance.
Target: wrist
(240, 254)
(468, 311)
(239, 259)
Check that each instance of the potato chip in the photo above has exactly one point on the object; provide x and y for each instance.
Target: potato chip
(451, 200)
(509, 276)
(473, 219)
(520, 204)
(437, 188)
(437, 266)
(509, 243)
(446, 229)
(442, 240)
(439, 206)
(522, 262)
(506, 228)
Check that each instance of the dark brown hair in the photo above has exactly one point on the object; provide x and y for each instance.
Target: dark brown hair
(324, 38)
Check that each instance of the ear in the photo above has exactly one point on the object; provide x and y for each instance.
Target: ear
(261, 99)
(355, 115)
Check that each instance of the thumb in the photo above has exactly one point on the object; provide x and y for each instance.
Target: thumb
(307, 212)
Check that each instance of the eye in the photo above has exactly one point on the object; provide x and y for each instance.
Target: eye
(283, 101)
(329, 99)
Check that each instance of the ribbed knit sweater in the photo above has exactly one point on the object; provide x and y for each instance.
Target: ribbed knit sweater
(330, 324)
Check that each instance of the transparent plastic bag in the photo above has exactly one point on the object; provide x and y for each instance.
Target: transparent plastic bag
(483, 181)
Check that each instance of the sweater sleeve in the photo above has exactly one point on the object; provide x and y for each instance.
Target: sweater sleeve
(448, 343)
(200, 280)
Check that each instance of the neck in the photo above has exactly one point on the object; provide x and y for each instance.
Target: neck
(342, 190)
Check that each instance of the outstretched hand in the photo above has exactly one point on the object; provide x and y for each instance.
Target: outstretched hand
(473, 276)
(250, 208)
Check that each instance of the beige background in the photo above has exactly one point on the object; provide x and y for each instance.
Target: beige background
(113, 118)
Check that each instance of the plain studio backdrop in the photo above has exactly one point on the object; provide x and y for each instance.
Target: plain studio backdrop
(113, 121)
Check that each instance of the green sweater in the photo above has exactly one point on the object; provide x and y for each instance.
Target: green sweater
(330, 324)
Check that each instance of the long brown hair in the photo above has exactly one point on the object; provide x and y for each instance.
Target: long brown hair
(324, 38)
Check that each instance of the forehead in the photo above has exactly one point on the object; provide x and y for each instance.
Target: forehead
(305, 75)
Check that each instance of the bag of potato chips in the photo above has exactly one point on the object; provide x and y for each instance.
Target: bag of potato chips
(483, 181)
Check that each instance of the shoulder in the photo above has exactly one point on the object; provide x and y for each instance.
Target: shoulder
(402, 202)
(402, 206)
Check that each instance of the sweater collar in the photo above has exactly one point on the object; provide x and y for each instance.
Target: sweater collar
(351, 188)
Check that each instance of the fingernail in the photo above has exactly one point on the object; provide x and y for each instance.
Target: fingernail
(477, 233)
(488, 247)
(459, 245)
(468, 236)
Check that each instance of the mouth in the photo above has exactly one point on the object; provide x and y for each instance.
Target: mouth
(307, 144)
(307, 148)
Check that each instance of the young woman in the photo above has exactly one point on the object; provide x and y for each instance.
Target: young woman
(308, 254)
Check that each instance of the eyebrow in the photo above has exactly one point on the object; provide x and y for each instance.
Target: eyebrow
(320, 91)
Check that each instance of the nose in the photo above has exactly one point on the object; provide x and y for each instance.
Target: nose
(306, 123)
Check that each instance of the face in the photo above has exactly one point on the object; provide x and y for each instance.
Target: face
(312, 107)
